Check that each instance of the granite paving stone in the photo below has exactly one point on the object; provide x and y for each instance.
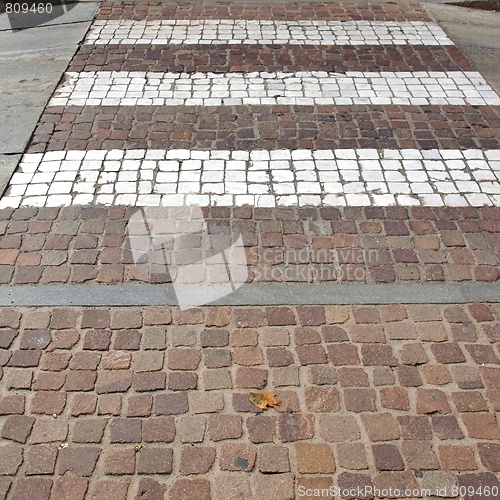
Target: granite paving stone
(344, 143)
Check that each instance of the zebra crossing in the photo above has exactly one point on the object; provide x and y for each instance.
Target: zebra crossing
(231, 31)
(306, 88)
(142, 60)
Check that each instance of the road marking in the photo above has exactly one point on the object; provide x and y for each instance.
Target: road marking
(178, 177)
(138, 88)
(226, 31)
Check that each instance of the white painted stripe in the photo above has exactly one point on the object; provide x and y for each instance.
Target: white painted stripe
(226, 31)
(260, 178)
(123, 88)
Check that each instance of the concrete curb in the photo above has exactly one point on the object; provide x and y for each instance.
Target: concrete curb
(258, 295)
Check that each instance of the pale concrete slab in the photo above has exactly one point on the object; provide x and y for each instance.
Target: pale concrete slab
(31, 64)
(77, 13)
(8, 164)
(476, 33)
(289, 294)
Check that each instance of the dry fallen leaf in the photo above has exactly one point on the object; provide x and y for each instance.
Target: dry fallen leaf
(264, 399)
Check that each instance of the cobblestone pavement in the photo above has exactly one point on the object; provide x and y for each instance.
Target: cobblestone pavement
(137, 401)
(319, 245)
(345, 143)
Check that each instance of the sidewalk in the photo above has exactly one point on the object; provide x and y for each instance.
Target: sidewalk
(130, 403)
(356, 151)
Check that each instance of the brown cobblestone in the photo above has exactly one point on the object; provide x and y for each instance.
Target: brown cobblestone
(343, 354)
(467, 401)
(446, 427)
(383, 375)
(113, 381)
(280, 316)
(321, 400)
(64, 339)
(489, 454)
(251, 378)
(88, 430)
(237, 457)
(95, 318)
(29, 487)
(367, 333)
(359, 399)
(196, 460)
(17, 428)
(244, 338)
(218, 316)
(171, 404)
(380, 427)
(151, 488)
(160, 429)
(314, 458)
(40, 459)
(24, 359)
(388, 271)
(118, 462)
(494, 398)
(394, 398)
(206, 402)
(387, 457)
(183, 359)
(455, 457)
(104, 488)
(70, 488)
(154, 460)
(352, 456)
(17, 378)
(432, 400)
(247, 356)
(467, 377)
(177, 381)
(49, 403)
(127, 340)
(294, 427)
(378, 355)
(261, 429)
(436, 374)
(116, 360)
(475, 481)
(415, 427)
(126, 431)
(311, 354)
(81, 380)
(190, 489)
(48, 430)
(79, 460)
(191, 429)
(222, 427)
(409, 376)
(97, 340)
(214, 338)
(428, 421)
(481, 426)
(12, 457)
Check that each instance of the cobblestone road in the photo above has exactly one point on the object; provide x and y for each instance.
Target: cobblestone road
(222, 105)
(345, 143)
